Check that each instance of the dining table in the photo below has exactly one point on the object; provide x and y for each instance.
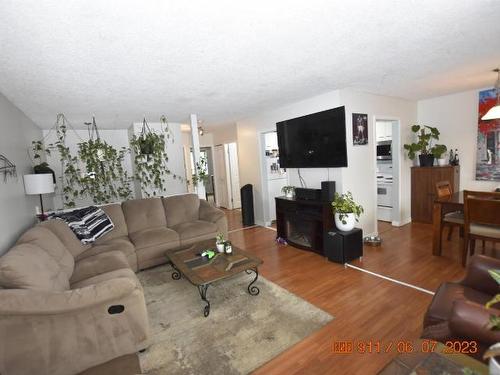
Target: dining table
(443, 205)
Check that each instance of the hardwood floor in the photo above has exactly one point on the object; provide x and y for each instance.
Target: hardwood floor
(365, 307)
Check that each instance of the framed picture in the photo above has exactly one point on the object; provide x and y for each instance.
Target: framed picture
(488, 140)
(359, 129)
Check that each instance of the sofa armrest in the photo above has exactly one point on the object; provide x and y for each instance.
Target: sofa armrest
(37, 302)
(209, 212)
(477, 276)
(469, 320)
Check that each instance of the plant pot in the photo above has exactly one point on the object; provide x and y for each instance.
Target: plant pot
(494, 366)
(350, 220)
(43, 169)
(442, 162)
(289, 194)
(145, 146)
(426, 160)
(220, 247)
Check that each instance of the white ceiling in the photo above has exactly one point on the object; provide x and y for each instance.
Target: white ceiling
(225, 60)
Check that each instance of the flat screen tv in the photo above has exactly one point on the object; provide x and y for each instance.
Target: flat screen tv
(313, 141)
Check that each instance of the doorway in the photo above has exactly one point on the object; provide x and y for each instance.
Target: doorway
(205, 154)
(387, 173)
(227, 177)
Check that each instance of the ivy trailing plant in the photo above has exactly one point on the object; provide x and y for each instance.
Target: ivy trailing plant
(150, 158)
(103, 179)
(200, 173)
(106, 179)
(70, 173)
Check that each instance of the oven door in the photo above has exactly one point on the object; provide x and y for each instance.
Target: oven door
(384, 150)
(384, 195)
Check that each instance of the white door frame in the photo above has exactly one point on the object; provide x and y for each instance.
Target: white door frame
(396, 167)
(217, 174)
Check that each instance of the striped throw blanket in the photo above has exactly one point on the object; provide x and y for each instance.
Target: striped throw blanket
(88, 224)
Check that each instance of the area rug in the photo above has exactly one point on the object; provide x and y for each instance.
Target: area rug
(241, 333)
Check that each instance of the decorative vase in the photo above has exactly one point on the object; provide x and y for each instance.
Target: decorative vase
(289, 194)
(350, 221)
(220, 247)
(426, 160)
(442, 162)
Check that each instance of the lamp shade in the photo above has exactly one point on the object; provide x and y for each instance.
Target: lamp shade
(35, 184)
(492, 114)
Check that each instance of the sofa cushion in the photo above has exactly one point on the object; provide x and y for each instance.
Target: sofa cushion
(66, 235)
(115, 213)
(121, 244)
(440, 308)
(151, 245)
(27, 266)
(181, 209)
(154, 236)
(98, 264)
(48, 241)
(195, 231)
(142, 214)
(122, 272)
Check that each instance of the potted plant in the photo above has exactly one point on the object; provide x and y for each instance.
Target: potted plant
(494, 324)
(423, 146)
(346, 211)
(220, 242)
(439, 152)
(288, 191)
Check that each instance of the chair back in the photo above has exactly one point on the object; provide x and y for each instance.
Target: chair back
(443, 189)
(481, 207)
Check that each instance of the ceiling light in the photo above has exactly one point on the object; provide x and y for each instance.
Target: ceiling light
(200, 130)
(494, 112)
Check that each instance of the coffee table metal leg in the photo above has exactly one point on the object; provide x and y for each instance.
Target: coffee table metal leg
(203, 294)
(176, 275)
(252, 289)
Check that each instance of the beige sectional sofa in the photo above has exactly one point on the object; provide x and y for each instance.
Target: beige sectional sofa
(65, 307)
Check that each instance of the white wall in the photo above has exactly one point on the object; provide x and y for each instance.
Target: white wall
(117, 138)
(456, 117)
(17, 210)
(359, 177)
(250, 139)
(227, 133)
(175, 153)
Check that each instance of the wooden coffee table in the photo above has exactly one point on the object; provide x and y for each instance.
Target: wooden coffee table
(202, 272)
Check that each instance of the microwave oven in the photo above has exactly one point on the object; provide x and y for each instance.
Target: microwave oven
(384, 150)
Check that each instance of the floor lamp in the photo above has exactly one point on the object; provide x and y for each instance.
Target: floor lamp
(38, 184)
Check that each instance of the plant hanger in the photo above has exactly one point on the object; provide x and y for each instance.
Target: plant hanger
(145, 128)
(93, 131)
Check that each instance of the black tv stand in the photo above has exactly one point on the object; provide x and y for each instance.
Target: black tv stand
(303, 223)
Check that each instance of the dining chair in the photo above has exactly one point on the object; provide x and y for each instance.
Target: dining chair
(450, 219)
(482, 219)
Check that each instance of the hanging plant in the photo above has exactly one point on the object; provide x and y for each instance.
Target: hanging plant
(150, 158)
(200, 174)
(105, 179)
(146, 139)
(151, 167)
(70, 172)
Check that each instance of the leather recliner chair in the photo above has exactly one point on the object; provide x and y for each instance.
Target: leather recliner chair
(457, 311)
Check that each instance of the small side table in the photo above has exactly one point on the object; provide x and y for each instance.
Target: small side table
(342, 247)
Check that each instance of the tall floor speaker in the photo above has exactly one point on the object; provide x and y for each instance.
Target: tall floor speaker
(247, 205)
(327, 191)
